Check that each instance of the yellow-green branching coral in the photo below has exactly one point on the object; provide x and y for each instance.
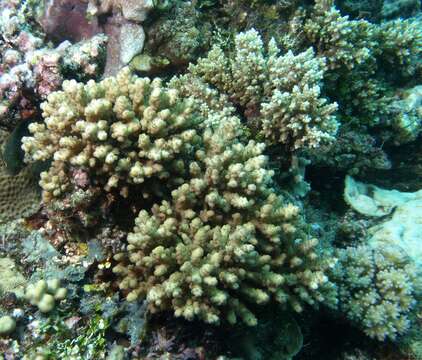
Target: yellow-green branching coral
(378, 289)
(343, 42)
(401, 45)
(224, 242)
(122, 131)
(280, 95)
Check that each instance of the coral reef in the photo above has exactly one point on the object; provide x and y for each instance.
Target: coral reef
(119, 132)
(183, 214)
(223, 241)
(30, 69)
(280, 95)
(370, 70)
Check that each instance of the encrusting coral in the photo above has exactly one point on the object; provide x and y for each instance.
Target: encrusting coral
(224, 242)
(19, 195)
(280, 95)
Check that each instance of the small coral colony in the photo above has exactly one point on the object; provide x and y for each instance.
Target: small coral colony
(210, 179)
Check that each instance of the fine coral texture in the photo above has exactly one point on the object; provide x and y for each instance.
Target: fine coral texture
(280, 95)
(122, 131)
(224, 241)
(378, 289)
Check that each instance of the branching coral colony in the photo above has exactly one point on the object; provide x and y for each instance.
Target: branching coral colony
(220, 238)
(280, 95)
(214, 237)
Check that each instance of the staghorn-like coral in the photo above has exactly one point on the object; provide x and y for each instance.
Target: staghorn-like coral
(378, 289)
(280, 95)
(401, 45)
(224, 242)
(341, 41)
(121, 131)
(367, 62)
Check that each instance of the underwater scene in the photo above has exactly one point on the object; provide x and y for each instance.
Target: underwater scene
(210, 180)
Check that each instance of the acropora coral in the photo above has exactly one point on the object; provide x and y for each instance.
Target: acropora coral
(280, 95)
(128, 131)
(119, 132)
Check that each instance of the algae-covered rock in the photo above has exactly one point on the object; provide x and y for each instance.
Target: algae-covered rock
(11, 280)
(371, 200)
(403, 229)
(407, 118)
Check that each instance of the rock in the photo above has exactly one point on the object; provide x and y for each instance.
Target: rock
(370, 200)
(66, 20)
(132, 39)
(136, 10)
(403, 229)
